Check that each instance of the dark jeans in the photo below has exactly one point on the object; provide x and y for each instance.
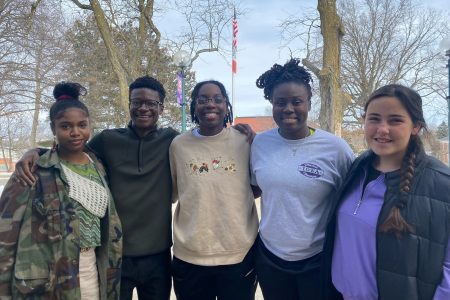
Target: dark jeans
(280, 279)
(149, 274)
(226, 282)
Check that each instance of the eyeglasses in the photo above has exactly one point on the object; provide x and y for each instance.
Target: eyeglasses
(204, 100)
(148, 103)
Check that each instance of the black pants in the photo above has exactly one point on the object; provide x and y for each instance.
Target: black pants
(280, 279)
(149, 274)
(227, 282)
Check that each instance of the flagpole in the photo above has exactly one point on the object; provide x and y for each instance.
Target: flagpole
(232, 95)
(234, 63)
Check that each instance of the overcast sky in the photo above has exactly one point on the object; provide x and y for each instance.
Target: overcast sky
(259, 47)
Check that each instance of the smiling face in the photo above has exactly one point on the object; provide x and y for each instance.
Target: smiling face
(72, 130)
(211, 114)
(290, 106)
(387, 129)
(144, 118)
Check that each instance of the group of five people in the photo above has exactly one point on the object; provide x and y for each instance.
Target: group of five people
(330, 228)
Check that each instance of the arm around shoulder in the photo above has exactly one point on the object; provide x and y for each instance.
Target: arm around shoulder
(26, 166)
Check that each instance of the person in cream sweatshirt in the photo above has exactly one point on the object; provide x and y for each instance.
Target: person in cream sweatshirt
(215, 223)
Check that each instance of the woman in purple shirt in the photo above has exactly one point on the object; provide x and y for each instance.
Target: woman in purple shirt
(388, 236)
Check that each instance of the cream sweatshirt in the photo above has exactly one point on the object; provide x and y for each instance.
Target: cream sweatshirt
(215, 221)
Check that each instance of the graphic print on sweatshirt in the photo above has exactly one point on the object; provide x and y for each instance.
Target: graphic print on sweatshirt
(310, 170)
(215, 164)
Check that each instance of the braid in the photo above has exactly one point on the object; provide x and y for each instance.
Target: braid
(192, 111)
(229, 115)
(395, 222)
(289, 72)
(408, 165)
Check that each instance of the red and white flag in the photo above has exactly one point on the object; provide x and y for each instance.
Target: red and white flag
(234, 47)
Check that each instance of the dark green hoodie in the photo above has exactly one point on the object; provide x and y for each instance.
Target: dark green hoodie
(139, 178)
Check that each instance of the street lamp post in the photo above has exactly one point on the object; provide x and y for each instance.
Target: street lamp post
(182, 60)
(447, 53)
(445, 45)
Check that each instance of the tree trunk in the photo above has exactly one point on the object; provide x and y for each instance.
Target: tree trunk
(113, 54)
(37, 109)
(331, 105)
(37, 99)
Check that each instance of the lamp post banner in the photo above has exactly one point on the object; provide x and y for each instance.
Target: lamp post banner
(180, 88)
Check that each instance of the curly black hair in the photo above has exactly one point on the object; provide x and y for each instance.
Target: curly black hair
(291, 71)
(194, 95)
(67, 96)
(150, 83)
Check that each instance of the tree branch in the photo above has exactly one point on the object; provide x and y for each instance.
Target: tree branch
(198, 52)
(81, 5)
(311, 67)
(34, 7)
(148, 14)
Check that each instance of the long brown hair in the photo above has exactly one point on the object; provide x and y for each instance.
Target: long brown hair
(412, 102)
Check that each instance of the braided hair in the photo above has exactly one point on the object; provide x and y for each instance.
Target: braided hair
(412, 102)
(194, 95)
(67, 96)
(291, 71)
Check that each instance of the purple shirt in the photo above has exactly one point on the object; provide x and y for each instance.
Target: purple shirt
(354, 256)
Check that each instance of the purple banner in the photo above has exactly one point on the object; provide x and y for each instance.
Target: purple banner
(180, 88)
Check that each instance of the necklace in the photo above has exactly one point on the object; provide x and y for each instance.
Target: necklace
(293, 144)
(78, 161)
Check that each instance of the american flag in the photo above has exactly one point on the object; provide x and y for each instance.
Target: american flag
(234, 48)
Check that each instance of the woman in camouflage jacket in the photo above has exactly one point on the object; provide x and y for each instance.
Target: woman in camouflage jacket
(40, 234)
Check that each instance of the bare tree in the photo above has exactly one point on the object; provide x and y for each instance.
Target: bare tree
(331, 105)
(13, 137)
(30, 59)
(46, 51)
(133, 41)
(325, 65)
(207, 23)
(389, 42)
(385, 41)
(91, 67)
(11, 58)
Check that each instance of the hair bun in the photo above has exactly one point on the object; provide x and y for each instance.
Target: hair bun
(68, 90)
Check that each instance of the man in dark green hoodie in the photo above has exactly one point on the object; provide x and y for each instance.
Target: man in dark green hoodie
(137, 162)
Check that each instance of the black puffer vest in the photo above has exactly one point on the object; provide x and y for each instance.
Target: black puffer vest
(409, 267)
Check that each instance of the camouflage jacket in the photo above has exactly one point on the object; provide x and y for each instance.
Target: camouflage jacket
(39, 239)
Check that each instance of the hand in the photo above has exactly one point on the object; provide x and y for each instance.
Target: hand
(247, 130)
(25, 168)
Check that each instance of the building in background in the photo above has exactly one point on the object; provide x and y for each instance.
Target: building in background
(8, 159)
(259, 124)
(442, 154)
